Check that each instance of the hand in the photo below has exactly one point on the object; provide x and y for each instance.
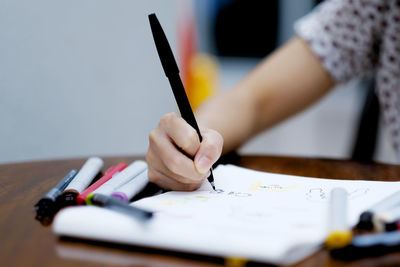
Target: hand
(171, 169)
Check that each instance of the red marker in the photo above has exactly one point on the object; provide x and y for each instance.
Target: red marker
(107, 176)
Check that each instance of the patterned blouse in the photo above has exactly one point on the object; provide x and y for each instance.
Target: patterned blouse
(354, 38)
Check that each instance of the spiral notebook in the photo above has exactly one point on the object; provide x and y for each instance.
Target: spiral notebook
(253, 215)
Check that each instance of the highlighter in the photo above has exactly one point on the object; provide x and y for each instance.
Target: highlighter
(119, 179)
(85, 175)
(132, 188)
(339, 233)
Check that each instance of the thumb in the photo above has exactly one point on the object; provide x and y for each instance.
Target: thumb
(209, 151)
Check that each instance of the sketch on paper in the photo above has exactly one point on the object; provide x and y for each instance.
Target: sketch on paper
(203, 198)
(320, 194)
(316, 194)
(359, 192)
(259, 186)
(229, 193)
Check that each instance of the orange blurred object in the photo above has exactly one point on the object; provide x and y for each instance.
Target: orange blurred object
(199, 71)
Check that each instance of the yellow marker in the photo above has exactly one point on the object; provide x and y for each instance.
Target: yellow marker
(339, 233)
(235, 262)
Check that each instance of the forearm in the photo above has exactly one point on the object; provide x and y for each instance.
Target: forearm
(286, 82)
(231, 114)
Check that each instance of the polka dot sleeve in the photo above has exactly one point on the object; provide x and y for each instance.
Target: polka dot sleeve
(344, 35)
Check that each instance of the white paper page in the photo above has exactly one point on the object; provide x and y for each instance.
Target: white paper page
(273, 212)
(256, 215)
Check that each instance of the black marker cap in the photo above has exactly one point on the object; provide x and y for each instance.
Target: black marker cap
(45, 210)
(365, 222)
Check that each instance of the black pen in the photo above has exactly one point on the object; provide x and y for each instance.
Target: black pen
(172, 72)
(120, 206)
(47, 205)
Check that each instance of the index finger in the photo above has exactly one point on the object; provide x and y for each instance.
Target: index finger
(182, 134)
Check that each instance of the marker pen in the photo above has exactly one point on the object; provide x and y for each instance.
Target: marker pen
(392, 226)
(107, 176)
(339, 233)
(85, 175)
(386, 220)
(369, 245)
(47, 205)
(120, 206)
(119, 179)
(366, 218)
(132, 188)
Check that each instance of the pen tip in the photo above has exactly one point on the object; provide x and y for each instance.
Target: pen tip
(213, 185)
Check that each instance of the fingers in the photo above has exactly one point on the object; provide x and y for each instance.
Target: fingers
(209, 152)
(168, 166)
(169, 158)
(169, 183)
(183, 135)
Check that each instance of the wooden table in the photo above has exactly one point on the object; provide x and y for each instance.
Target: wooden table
(25, 242)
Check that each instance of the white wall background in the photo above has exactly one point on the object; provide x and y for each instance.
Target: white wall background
(80, 77)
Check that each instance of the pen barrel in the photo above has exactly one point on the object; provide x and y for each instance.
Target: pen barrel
(121, 178)
(133, 187)
(183, 102)
(64, 182)
(119, 205)
(339, 235)
(171, 70)
(47, 205)
(338, 210)
(186, 110)
(164, 50)
(56, 191)
(86, 174)
(53, 194)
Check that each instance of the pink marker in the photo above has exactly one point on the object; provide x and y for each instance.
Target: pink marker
(107, 176)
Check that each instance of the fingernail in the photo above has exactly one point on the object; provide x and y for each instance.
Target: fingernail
(203, 165)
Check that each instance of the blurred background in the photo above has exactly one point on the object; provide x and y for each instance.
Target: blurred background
(81, 78)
